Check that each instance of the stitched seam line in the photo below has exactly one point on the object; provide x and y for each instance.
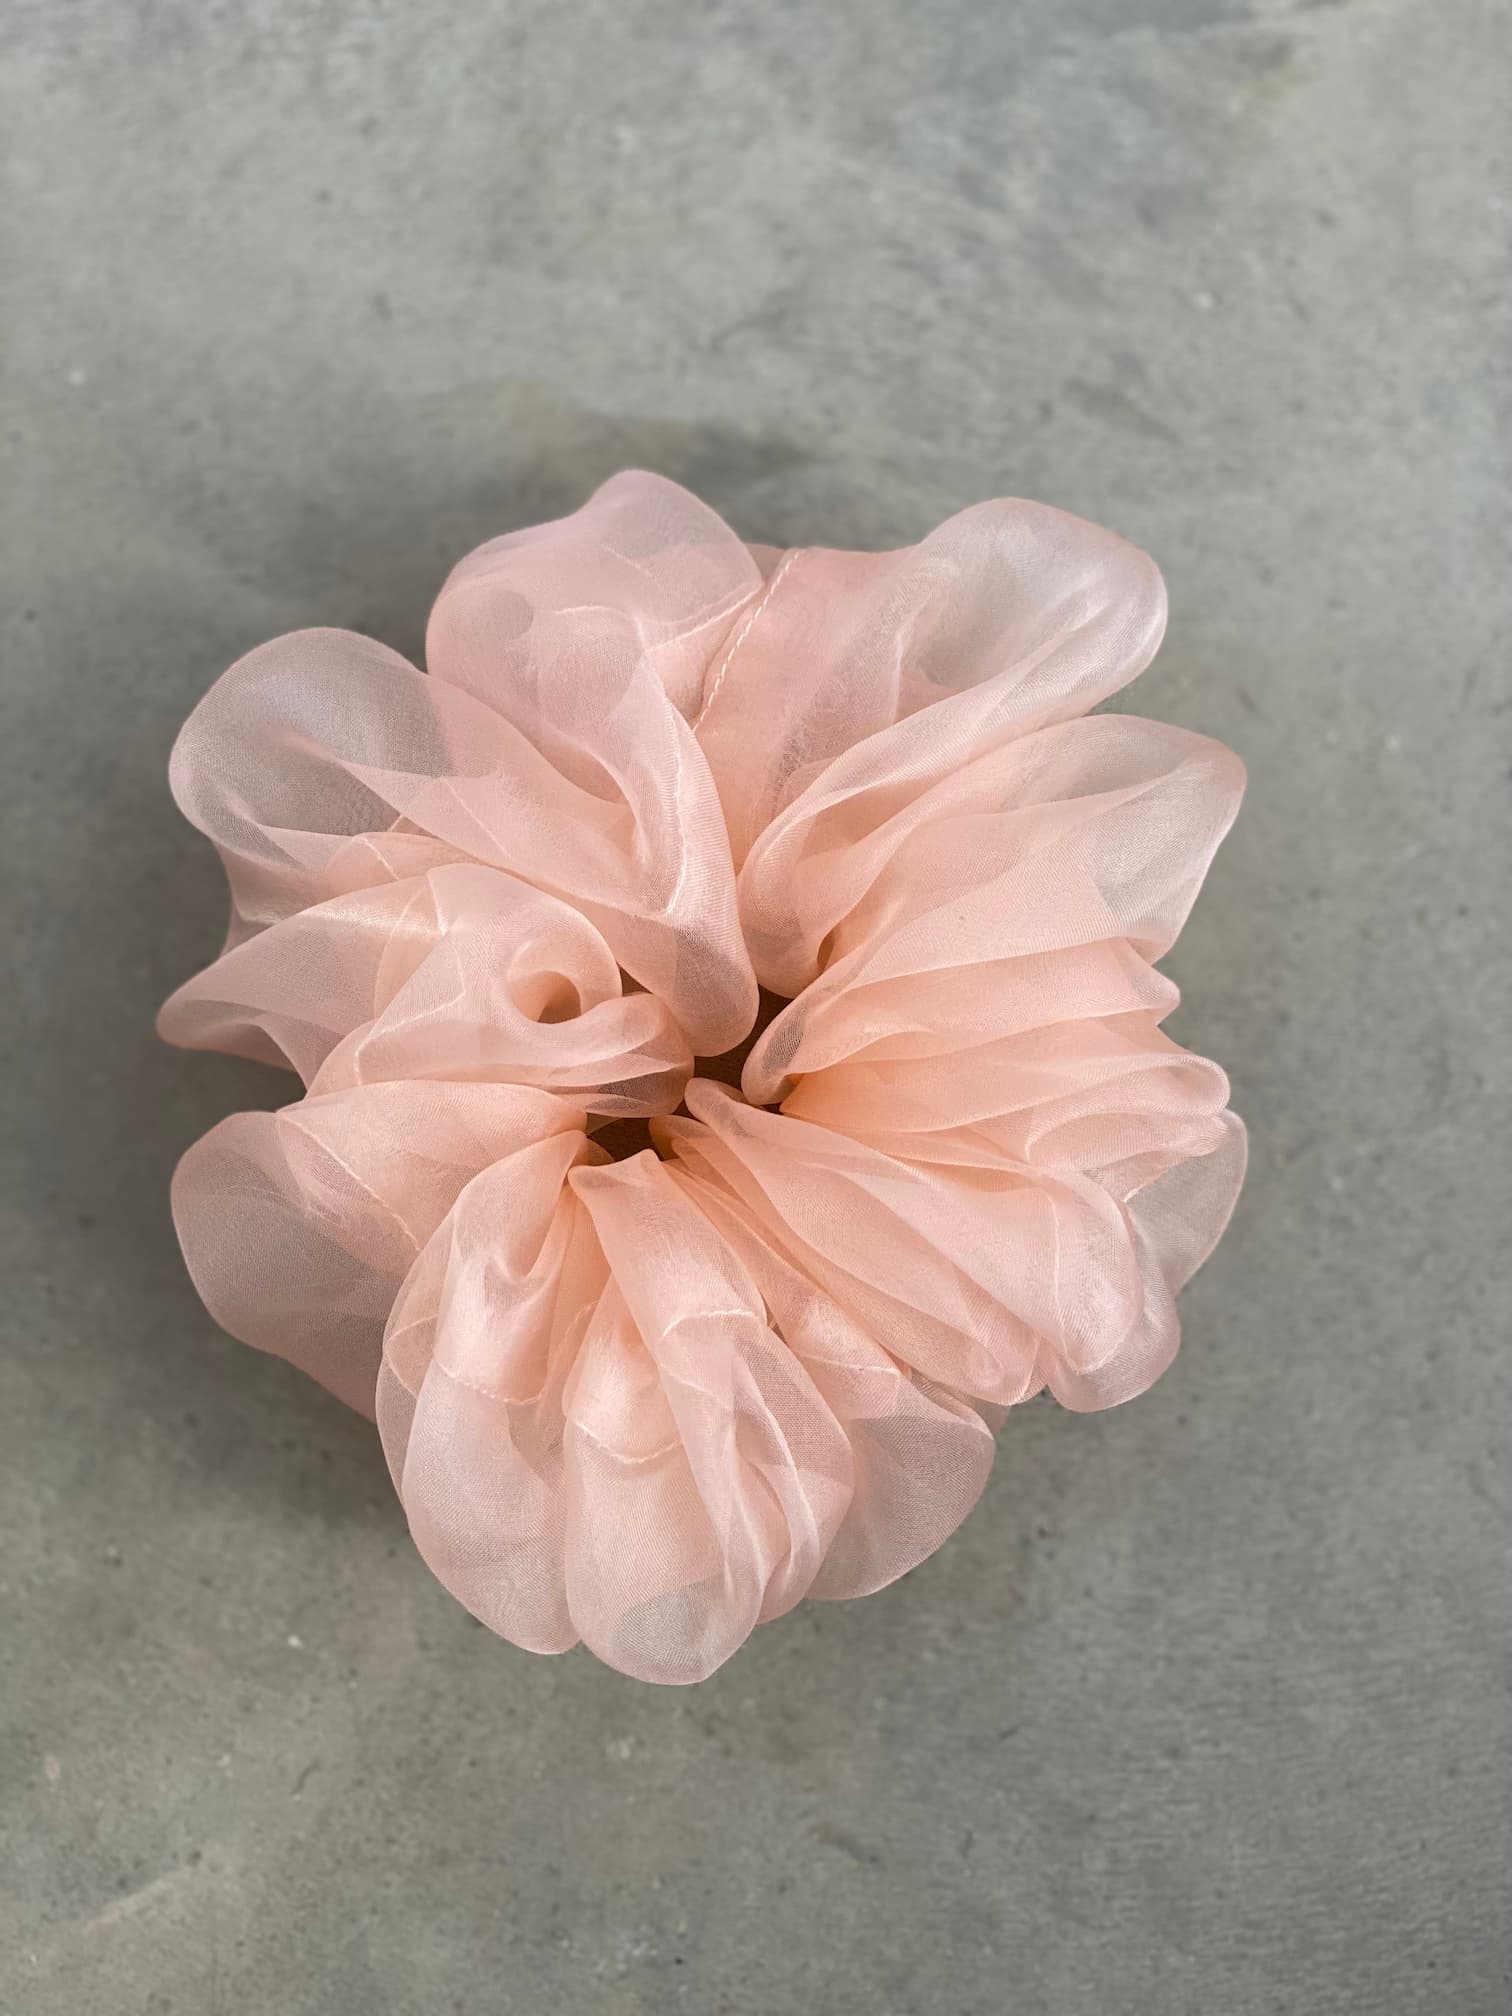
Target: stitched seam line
(784, 567)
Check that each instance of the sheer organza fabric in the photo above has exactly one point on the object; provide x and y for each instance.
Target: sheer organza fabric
(485, 910)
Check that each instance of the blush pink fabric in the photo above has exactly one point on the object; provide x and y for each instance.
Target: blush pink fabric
(486, 911)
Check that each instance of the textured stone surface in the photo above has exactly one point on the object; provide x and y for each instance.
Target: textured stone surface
(1206, 1709)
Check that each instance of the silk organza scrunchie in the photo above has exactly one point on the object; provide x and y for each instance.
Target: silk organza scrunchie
(646, 1385)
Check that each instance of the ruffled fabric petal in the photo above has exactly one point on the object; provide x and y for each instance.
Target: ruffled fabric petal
(988, 1012)
(461, 973)
(858, 681)
(735, 1512)
(1088, 831)
(920, 1455)
(1176, 1218)
(643, 555)
(591, 636)
(966, 1275)
(298, 1227)
(1103, 1097)
(547, 744)
(482, 1338)
(619, 1449)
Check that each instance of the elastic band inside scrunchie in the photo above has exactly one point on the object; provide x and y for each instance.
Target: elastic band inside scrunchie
(724, 989)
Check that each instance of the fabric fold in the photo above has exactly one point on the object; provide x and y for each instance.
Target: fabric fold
(461, 973)
(300, 1226)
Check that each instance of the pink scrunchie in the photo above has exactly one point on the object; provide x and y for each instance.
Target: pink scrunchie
(487, 912)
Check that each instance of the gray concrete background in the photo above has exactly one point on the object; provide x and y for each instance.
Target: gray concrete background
(1205, 1710)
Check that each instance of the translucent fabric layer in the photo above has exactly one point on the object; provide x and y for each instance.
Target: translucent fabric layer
(494, 912)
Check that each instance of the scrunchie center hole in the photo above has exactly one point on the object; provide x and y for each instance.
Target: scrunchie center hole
(725, 1069)
(624, 1138)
